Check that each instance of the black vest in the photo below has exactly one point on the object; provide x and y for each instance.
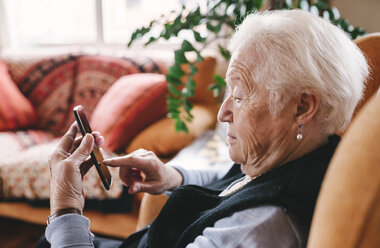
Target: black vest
(190, 209)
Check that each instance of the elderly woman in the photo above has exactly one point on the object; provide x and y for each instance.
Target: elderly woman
(293, 81)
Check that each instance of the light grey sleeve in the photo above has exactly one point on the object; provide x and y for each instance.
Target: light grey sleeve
(201, 177)
(264, 226)
(69, 230)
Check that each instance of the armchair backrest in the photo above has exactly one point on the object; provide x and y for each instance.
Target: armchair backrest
(348, 208)
(370, 46)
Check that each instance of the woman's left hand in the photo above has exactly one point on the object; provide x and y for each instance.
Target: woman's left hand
(68, 164)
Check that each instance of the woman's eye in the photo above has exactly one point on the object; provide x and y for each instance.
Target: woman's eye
(236, 99)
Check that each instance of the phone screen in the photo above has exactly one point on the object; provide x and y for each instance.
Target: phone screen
(96, 156)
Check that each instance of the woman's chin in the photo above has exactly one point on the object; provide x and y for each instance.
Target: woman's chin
(235, 156)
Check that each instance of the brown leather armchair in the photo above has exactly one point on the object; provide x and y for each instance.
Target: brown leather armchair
(370, 46)
(348, 208)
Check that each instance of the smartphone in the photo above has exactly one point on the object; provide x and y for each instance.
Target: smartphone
(96, 156)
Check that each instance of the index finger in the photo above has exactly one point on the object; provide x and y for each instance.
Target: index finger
(130, 161)
(67, 139)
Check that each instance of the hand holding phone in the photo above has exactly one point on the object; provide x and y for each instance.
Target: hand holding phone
(96, 156)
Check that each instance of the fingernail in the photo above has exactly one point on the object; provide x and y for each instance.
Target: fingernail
(99, 142)
(107, 160)
(134, 189)
(87, 138)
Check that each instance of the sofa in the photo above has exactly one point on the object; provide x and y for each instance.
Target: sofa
(124, 98)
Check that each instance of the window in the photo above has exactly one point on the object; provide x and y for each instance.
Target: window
(42, 22)
(122, 17)
(64, 22)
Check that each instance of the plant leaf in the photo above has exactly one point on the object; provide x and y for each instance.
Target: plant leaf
(190, 87)
(193, 69)
(181, 126)
(218, 86)
(173, 101)
(179, 57)
(173, 80)
(176, 71)
(172, 89)
(214, 28)
(224, 52)
(188, 108)
(320, 5)
(151, 39)
(187, 47)
(199, 57)
(220, 81)
(198, 37)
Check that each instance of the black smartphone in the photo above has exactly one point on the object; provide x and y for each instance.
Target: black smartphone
(96, 156)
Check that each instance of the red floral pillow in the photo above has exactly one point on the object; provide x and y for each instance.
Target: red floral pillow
(131, 104)
(15, 110)
(48, 84)
(95, 74)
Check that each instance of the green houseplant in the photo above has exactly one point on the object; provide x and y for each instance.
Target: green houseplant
(220, 18)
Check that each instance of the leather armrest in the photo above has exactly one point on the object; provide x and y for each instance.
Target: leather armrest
(150, 207)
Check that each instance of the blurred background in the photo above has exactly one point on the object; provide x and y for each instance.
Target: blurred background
(37, 23)
(93, 27)
(26, 24)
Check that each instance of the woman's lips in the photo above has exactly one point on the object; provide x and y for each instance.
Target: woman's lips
(231, 137)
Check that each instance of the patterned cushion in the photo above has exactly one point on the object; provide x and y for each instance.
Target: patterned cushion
(15, 110)
(48, 85)
(21, 65)
(13, 142)
(96, 74)
(130, 105)
(26, 175)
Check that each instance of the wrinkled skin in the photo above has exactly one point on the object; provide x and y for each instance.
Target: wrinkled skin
(258, 140)
(144, 172)
(68, 164)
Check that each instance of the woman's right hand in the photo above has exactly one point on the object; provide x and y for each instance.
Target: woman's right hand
(143, 171)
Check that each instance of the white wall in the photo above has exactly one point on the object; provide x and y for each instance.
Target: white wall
(3, 29)
(1, 26)
(362, 13)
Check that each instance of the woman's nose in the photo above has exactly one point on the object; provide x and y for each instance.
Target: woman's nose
(225, 113)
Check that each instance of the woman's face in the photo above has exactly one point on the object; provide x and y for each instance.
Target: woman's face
(257, 140)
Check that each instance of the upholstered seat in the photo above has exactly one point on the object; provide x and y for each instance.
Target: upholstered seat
(348, 208)
(370, 46)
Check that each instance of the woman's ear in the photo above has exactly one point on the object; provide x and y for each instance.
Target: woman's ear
(307, 107)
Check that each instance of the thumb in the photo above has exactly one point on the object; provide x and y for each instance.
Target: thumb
(84, 149)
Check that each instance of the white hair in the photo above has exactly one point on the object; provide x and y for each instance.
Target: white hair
(296, 51)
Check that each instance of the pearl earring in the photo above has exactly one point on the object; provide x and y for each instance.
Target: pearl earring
(299, 134)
